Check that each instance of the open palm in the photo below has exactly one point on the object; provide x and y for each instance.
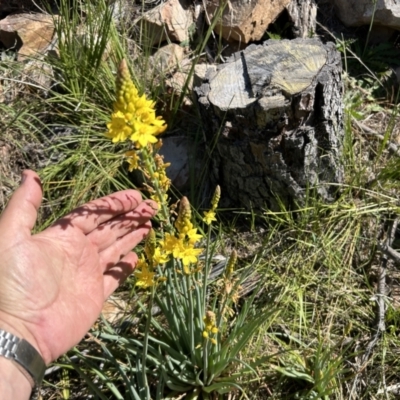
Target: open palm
(53, 284)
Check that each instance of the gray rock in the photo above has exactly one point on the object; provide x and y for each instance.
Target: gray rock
(361, 12)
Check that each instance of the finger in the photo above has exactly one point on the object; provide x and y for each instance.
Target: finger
(21, 212)
(90, 215)
(113, 254)
(108, 233)
(118, 274)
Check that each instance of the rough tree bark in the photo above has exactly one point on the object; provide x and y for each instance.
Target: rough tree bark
(273, 116)
(303, 14)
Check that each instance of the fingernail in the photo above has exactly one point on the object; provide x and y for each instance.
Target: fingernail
(23, 177)
(152, 204)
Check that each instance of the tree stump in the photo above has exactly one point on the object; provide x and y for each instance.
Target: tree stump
(273, 120)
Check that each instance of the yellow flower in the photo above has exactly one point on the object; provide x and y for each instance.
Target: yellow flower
(145, 108)
(193, 236)
(159, 257)
(209, 327)
(143, 134)
(187, 253)
(170, 243)
(209, 216)
(132, 159)
(118, 130)
(144, 276)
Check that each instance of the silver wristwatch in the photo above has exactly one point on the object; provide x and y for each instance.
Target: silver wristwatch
(24, 354)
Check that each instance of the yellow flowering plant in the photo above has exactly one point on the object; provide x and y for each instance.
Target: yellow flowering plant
(193, 347)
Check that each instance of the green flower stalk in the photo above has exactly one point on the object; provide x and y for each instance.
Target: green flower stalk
(230, 265)
(182, 245)
(150, 245)
(209, 216)
(209, 326)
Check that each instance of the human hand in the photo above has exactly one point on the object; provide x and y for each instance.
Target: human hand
(53, 284)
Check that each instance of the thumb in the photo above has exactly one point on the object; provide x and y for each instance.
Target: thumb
(21, 212)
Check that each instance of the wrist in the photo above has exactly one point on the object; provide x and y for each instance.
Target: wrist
(13, 383)
(23, 332)
(21, 365)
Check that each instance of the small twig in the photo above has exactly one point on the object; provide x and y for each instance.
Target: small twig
(368, 131)
(387, 251)
(392, 388)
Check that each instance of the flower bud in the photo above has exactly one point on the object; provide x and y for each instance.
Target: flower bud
(216, 197)
(150, 244)
(231, 264)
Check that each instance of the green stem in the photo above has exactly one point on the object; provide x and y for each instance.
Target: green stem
(190, 320)
(146, 343)
(206, 271)
(370, 27)
(150, 167)
(205, 360)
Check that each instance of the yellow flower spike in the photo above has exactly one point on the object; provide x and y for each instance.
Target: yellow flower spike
(205, 334)
(161, 175)
(216, 197)
(209, 216)
(134, 116)
(184, 215)
(213, 341)
(150, 245)
(231, 264)
(144, 275)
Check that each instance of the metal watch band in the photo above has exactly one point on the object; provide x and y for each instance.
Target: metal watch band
(23, 353)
